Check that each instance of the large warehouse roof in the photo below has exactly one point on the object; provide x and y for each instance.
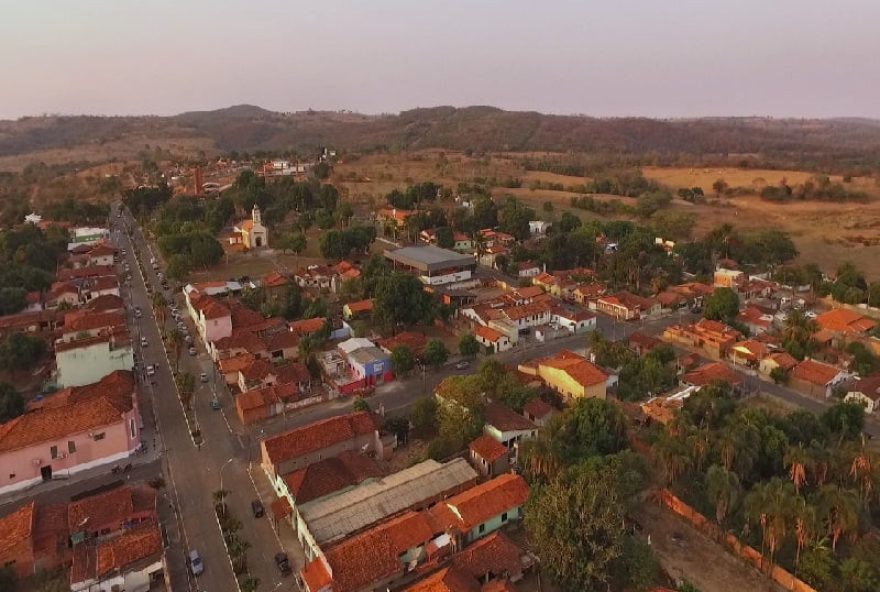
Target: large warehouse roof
(429, 257)
(338, 516)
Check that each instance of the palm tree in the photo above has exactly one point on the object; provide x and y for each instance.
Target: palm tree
(799, 327)
(806, 526)
(159, 304)
(772, 505)
(818, 463)
(839, 510)
(220, 501)
(249, 584)
(538, 459)
(739, 445)
(673, 453)
(175, 337)
(238, 549)
(863, 472)
(699, 441)
(796, 459)
(724, 489)
(186, 386)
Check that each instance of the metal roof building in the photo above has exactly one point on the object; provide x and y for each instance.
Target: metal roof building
(333, 518)
(429, 258)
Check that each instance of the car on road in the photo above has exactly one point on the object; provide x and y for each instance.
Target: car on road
(194, 561)
(215, 403)
(462, 365)
(144, 342)
(257, 508)
(203, 377)
(188, 339)
(283, 563)
(151, 370)
(192, 351)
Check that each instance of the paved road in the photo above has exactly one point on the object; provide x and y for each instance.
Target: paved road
(194, 472)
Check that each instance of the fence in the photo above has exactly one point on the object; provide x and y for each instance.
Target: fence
(781, 576)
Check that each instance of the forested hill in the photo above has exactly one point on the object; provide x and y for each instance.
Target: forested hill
(847, 142)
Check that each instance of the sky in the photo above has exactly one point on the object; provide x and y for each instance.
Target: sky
(654, 58)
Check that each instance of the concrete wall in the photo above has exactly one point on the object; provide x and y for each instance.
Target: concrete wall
(493, 524)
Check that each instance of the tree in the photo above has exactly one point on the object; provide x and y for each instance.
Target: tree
(838, 509)
(436, 353)
(445, 237)
(402, 360)
(778, 375)
(772, 506)
(722, 305)
(845, 419)
(468, 345)
(11, 402)
(578, 523)
(568, 222)
(186, 386)
(178, 267)
(401, 299)
(12, 300)
(399, 426)
(724, 490)
(19, 352)
(719, 187)
(175, 337)
(219, 497)
(423, 416)
(360, 404)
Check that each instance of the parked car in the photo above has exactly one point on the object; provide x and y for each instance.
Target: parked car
(257, 508)
(283, 563)
(203, 377)
(462, 365)
(192, 351)
(215, 403)
(188, 339)
(194, 561)
(151, 370)
(144, 342)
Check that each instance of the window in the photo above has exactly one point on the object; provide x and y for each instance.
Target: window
(482, 528)
(71, 446)
(97, 437)
(53, 452)
(12, 475)
(131, 428)
(504, 517)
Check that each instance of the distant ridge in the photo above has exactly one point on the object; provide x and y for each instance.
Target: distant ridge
(840, 141)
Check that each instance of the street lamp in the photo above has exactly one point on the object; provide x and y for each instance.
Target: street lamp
(223, 466)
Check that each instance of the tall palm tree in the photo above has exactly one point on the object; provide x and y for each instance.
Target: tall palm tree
(799, 327)
(796, 459)
(159, 304)
(863, 471)
(818, 462)
(806, 526)
(724, 489)
(739, 447)
(772, 505)
(839, 510)
(674, 455)
(220, 500)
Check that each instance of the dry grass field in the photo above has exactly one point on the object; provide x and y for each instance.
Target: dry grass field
(826, 233)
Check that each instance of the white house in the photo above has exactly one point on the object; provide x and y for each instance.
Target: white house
(574, 321)
(539, 227)
(212, 318)
(489, 337)
(866, 391)
(132, 562)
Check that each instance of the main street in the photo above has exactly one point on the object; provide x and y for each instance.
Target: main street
(193, 472)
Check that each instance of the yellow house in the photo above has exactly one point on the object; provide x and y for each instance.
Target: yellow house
(253, 234)
(570, 374)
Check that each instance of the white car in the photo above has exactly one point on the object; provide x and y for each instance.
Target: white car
(203, 377)
(144, 342)
(151, 370)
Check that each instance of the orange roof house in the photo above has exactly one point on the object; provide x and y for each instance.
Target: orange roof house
(462, 514)
(570, 374)
(711, 372)
(291, 450)
(816, 378)
(845, 322)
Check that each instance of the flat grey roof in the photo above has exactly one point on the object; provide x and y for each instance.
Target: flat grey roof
(429, 257)
(336, 517)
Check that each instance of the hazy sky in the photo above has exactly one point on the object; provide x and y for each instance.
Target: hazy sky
(666, 58)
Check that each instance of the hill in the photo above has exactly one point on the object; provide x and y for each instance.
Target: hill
(803, 143)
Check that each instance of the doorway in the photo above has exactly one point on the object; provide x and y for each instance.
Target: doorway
(46, 472)
(259, 241)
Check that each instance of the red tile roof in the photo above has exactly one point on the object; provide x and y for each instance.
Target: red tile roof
(711, 372)
(842, 320)
(88, 320)
(241, 339)
(209, 306)
(372, 556)
(105, 303)
(784, 360)
(488, 448)
(416, 342)
(577, 367)
(479, 504)
(360, 306)
(488, 333)
(538, 408)
(815, 372)
(329, 475)
(506, 419)
(307, 326)
(282, 340)
(54, 422)
(236, 363)
(16, 527)
(448, 579)
(496, 554)
(111, 507)
(274, 280)
(319, 435)
(137, 544)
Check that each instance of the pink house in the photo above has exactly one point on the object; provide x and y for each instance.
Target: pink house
(73, 430)
(212, 318)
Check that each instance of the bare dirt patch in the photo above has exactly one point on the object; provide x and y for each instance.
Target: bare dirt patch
(687, 554)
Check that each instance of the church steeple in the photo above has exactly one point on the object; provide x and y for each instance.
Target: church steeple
(256, 216)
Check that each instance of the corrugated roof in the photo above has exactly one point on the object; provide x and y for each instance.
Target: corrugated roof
(331, 519)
